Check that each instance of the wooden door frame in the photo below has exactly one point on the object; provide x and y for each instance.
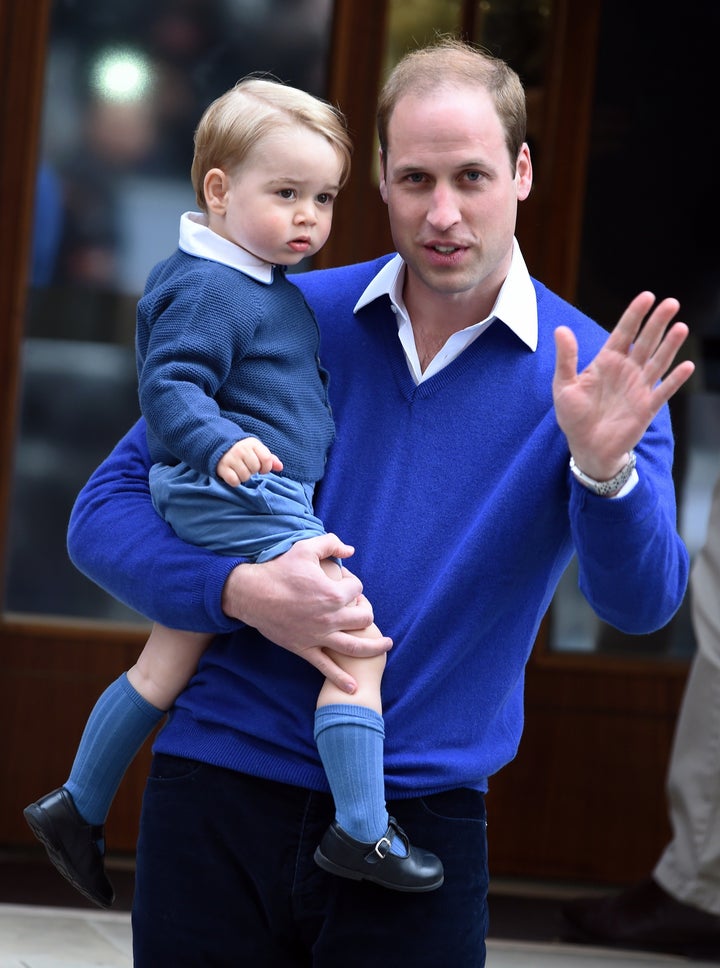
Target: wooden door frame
(360, 227)
(52, 670)
(23, 33)
(584, 798)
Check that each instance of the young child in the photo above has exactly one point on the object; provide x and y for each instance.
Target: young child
(239, 426)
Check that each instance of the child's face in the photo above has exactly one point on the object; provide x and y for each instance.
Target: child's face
(278, 203)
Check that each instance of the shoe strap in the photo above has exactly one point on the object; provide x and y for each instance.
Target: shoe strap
(382, 847)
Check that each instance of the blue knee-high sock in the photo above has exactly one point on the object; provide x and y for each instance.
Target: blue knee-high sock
(119, 724)
(350, 742)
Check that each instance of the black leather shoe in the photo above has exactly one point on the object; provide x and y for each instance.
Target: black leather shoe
(71, 844)
(647, 918)
(340, 854)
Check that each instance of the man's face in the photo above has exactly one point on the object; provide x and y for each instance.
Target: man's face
(452, 192)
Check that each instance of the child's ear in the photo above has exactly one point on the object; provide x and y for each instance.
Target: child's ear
(215, 188)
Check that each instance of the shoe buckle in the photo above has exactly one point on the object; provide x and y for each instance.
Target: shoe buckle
(382, 847)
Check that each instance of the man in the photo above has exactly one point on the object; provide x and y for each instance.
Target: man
(468, 467)
(677, 909)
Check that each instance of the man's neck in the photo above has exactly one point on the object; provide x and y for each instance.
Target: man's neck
(445, 313)
(434, 320)
(442, 314)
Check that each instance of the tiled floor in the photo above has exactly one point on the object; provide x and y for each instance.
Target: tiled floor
(44, 923)
(52, 937)
(44, 937)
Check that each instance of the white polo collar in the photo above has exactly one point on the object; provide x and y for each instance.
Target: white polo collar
(197, 239)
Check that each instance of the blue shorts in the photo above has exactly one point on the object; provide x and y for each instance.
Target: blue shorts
(259, 519)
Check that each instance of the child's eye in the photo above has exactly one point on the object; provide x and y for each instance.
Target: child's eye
(325, 198)
(287, 193)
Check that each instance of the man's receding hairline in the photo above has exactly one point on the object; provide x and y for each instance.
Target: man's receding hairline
(446, 85)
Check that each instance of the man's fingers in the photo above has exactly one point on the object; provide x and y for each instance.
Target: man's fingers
(359, 647)
(344, 643)
(331, 670)
(666, 350)
(566, 356)
(626, 331)
(672, 383)
(655, 332)
(355, 646)
(328, 546)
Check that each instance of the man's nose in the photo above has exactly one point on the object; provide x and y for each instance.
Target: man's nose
(444, 211)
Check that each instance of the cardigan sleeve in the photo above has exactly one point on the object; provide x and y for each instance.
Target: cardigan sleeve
(200, 330)
(633, 565)
(118, 540)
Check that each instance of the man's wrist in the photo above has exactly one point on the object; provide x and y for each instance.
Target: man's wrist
(609, 487)
(231, 597)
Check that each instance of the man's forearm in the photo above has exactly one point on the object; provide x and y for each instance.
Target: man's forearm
(117, 539)
(633, 564)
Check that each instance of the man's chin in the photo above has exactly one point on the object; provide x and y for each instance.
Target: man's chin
(446, 281)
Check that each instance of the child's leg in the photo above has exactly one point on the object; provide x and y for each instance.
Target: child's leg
(366, 672)
(125, 715)
(166, 664)
(364, 843)
(69, 821)
(350, 736)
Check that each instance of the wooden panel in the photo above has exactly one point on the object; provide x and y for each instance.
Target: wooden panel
(550, 220)
(50, 680)
(585, 798)
(52, 673)
(360, 226)
(23, 29)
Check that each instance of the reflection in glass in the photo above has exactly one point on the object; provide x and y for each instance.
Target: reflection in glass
(125, 86)
(517, 31)
(415, 23)
(574, 626)
(640, 231)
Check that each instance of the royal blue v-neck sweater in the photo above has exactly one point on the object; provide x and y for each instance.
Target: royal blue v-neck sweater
(457, 496)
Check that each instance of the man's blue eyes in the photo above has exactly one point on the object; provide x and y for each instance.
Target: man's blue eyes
(417, 178)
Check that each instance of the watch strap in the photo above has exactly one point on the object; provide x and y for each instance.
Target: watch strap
(603, 488)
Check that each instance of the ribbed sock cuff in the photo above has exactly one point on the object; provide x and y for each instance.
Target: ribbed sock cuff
(152, 712)
(340, 714)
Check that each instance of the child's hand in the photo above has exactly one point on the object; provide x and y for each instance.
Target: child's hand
(245, 458)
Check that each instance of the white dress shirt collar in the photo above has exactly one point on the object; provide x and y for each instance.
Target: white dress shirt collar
(197, 239)
(515, 307)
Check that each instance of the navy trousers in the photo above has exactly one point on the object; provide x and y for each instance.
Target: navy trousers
(226, 879)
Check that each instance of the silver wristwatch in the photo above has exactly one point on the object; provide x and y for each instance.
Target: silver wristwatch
(603, 488)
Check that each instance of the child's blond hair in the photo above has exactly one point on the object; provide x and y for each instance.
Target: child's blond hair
(255, 106)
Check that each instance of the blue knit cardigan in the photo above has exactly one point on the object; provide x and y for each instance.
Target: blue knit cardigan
(222, 356)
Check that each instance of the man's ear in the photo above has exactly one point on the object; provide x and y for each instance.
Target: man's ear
(383, 184)
(215, 188)
(523, 173)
